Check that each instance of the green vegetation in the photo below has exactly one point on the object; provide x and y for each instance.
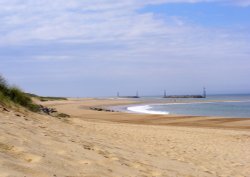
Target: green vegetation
(52, 98)
(13, 95)
(46, 98)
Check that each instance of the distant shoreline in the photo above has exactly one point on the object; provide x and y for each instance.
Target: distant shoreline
(81, 107)
(147, 108)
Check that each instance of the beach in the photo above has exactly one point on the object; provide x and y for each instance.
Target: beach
(99, 143)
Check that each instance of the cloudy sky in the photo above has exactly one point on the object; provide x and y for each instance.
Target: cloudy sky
(98, 47)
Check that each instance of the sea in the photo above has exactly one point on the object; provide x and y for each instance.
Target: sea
(230, 106)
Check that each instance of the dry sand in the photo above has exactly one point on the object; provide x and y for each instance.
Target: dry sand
(92, 143)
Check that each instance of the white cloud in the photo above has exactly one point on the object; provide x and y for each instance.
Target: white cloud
(113, 22)
(111, 39)
(82, 21)
(243, 3)
(24, 21)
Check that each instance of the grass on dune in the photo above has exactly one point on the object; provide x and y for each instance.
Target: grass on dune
(41, 98)
(14, 96)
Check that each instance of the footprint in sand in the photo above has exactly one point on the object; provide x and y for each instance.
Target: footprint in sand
(31, 158)
(108, 155)
(103, 153)
(5, 147)
(19, 152)
(88, 147)
(85, 162)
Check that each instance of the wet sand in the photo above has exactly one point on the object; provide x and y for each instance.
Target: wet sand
(78, 108)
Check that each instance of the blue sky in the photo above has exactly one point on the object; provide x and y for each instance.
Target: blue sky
(206, 14)
(96, 48)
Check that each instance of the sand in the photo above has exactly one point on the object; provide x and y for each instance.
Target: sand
(93, 143)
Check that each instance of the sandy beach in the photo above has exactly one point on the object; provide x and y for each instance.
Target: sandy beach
(92, 143)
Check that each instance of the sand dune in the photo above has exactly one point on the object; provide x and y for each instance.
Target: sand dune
(92, 143)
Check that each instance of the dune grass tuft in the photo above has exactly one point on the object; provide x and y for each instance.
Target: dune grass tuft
(13, 95)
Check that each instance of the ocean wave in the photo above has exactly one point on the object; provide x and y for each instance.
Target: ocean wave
(145, 109)
(148, 109)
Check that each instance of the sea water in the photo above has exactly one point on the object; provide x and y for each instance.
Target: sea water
(214, 105)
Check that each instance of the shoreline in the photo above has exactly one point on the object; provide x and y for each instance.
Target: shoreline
(99, 143)
(80, 108)
(147, 108)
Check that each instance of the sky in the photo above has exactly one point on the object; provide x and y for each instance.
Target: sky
(88, 48)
